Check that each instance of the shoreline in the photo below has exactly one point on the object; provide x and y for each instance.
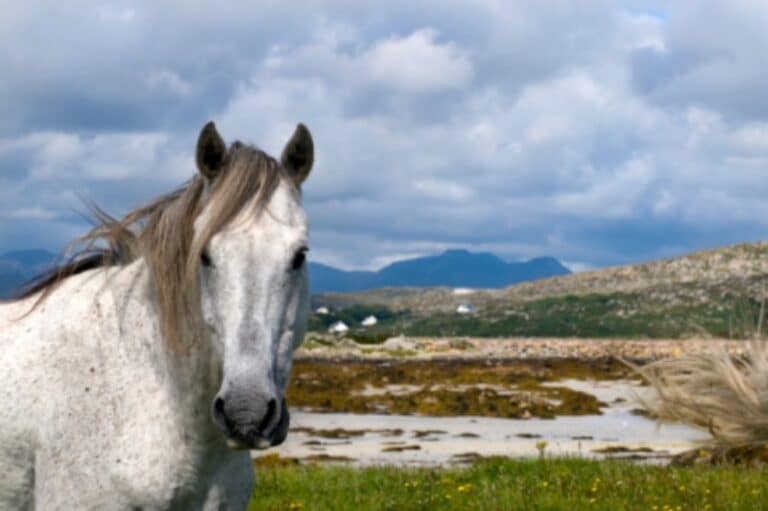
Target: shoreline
(446, 401)
(327, 347)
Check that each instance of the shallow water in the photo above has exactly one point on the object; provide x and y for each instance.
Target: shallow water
(457, 437)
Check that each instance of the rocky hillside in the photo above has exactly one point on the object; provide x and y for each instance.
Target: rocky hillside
(736, 265)
(713, 291)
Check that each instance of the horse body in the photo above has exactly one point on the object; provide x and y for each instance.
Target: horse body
(107, 420)
(99, 412)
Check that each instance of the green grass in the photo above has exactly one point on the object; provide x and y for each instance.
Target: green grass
(615, 315)
(352, 315)
(629, 315)
(504, 484)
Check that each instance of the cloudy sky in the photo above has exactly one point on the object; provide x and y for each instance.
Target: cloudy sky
(598, 132)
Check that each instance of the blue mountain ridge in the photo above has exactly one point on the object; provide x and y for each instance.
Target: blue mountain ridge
(452, 268)
(19, 266)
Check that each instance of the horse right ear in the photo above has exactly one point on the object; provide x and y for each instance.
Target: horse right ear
(299, 154)
(211, 151)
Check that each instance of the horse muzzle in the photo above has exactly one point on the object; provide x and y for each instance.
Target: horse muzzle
(248, 427)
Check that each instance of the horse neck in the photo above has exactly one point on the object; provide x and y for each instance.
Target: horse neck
(190, 373)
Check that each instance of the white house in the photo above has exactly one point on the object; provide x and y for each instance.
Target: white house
(465, 308)
(338, 328)
(322, 311)
(369, 321)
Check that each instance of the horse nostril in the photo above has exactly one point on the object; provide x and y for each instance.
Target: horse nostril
(271, 409)
(218, 411)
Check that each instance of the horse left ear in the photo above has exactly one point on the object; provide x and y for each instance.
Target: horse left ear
(211, 151)
(299, 154)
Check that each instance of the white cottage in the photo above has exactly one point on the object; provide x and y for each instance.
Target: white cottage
(339, 328)
(369, 321)
(323, 311)
(465, 308)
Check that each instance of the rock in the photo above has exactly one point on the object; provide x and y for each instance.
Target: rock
(347, 343)
(399, 343)
(460, 344)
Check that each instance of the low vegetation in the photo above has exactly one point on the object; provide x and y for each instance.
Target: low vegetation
(684, 313)
(505, 484)
(715, 391)
(628, 315)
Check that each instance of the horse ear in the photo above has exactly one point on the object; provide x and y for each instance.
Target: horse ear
(211, 151)
(299, 154)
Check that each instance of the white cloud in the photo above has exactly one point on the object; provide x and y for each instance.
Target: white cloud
(616, 194)
(102, 157)
(586, 130)
(34, 213)
(170, 81)
(547, 128)
(443, 190)
(416, 63)
(111, 13)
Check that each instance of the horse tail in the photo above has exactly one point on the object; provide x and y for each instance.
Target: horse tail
(726, 395)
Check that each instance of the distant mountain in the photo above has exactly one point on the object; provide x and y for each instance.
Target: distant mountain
(452, 268)
(327, 278)
(19, 266)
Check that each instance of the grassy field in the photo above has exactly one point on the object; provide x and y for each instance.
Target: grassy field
(630, 315)
(503, 484)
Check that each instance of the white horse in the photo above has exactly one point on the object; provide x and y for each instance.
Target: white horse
(128, 375)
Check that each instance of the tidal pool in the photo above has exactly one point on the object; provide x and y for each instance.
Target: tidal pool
(372, 439)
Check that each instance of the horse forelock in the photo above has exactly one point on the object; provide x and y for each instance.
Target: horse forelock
(163, 233)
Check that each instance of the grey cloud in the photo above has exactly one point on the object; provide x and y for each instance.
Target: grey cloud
(77, 66)
(710, 59)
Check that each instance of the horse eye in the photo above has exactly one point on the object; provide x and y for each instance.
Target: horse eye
(205, 260)
(299, 258)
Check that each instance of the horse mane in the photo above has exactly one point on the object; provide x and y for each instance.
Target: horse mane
(162, 232)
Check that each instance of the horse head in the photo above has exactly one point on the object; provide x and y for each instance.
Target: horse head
(252, 276)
